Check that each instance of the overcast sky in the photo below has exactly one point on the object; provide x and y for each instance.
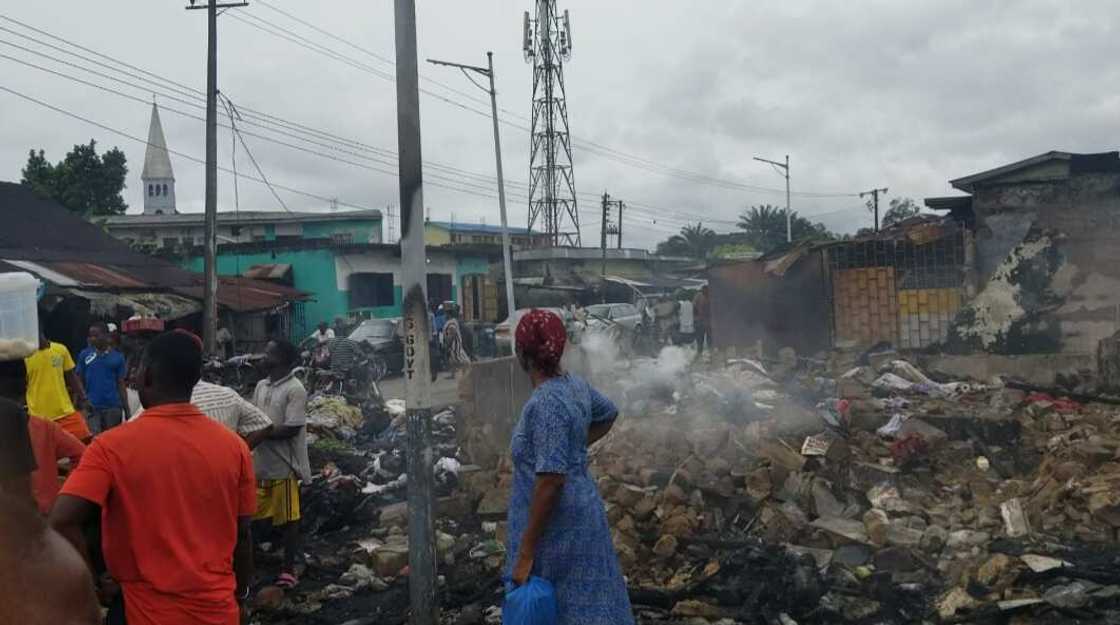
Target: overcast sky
(860, 94)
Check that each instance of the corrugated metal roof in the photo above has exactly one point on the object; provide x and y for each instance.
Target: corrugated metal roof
(47, 274)
(97, 275)
(248, 295)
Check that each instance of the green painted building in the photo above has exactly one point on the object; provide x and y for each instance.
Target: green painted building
(351, 280)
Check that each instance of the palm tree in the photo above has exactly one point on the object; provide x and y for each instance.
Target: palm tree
(695, 241)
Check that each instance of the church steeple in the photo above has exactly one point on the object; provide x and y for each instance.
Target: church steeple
(158, 179)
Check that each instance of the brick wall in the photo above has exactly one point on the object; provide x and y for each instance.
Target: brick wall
(866, 305)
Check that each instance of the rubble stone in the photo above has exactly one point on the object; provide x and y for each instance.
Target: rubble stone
(895, 560)
(269, 598)
(494, 504)
(900, 535)
(388, 561)
(965, 539)
(394, 515)
(998, 572)
(877, 525)
(674, 495)
(843, 530)
(934, 538)
(954, 601)
(666, 546)
(695, 607)
(758, 484)
(644, 508)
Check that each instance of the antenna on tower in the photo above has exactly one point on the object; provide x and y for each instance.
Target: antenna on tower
(526, 39)
(552, 188)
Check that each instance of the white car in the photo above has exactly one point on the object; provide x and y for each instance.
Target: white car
(502, 330)
(606, 315)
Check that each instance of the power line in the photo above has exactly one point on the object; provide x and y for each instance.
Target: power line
(474, 188)
(591, 146)
(281, 126)
(267, 120)
(468, 186)
(194, 159)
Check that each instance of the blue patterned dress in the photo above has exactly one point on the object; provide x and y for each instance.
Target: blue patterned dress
(575, 551)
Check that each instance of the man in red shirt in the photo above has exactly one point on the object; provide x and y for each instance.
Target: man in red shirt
(176, 493)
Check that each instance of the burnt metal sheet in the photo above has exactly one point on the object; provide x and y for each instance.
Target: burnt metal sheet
(750, 304)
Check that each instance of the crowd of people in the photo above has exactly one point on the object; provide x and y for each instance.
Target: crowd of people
(155, 517)
(154, 523)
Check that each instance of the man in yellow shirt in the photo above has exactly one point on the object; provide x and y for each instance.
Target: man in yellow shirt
(52, 388)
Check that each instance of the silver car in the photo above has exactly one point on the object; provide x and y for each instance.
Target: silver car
(502, 337)
(606, 315)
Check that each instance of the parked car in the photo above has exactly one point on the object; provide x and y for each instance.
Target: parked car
(383, 337)
(623, 314)
(502, 330)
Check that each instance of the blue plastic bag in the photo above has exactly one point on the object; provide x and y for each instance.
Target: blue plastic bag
(532, 603)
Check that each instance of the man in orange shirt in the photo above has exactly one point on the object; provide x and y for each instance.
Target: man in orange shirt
(49, 442)
(175, 491)
(43, 581)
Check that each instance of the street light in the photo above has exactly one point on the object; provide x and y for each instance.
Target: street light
(785, 172)
(488, 71)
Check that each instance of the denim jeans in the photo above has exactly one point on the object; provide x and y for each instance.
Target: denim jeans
(102, 419)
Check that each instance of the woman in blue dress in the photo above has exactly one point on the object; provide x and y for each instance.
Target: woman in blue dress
(558, 526)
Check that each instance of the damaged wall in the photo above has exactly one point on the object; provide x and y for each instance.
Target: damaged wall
(1057, 288)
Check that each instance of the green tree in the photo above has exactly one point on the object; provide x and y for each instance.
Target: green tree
(901, 209)
(765, 227)
(84, 182)
(694, 241)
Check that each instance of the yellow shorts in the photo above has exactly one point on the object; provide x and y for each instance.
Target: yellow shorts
(278, 500)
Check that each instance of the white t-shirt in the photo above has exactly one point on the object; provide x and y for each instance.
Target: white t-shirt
(224, 405)
(684, 316)
(323, 337)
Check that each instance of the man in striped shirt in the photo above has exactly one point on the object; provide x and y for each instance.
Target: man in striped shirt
(226, 406)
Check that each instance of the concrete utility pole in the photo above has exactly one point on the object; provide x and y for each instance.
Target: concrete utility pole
(210, 258)
(417, 368)
(618, 228)
(603, 231)
(874, 193)
(507, 250)
(783, 168)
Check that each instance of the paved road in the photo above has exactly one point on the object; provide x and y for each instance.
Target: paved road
(445, 391)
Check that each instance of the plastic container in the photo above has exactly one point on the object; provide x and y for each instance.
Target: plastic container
(19, 315)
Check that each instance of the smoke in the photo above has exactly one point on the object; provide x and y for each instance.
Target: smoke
(603, 356)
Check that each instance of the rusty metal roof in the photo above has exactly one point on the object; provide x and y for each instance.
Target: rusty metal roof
(247, 295)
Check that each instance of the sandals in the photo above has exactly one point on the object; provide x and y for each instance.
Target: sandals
(286, 580)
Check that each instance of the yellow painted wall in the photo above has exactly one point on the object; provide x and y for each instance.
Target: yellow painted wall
(436, 235)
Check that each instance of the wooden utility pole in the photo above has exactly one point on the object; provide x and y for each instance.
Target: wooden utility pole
(210, 257)
(417, 368)
(874, 193)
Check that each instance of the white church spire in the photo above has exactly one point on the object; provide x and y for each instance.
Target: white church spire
(158, 179)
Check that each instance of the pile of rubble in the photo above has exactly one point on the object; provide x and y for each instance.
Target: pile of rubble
(875, 494)
(355, 517)
(826, 490)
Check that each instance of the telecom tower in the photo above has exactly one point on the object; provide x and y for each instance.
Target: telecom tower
(552, 187)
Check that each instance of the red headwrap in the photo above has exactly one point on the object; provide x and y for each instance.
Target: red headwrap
(541, 336)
